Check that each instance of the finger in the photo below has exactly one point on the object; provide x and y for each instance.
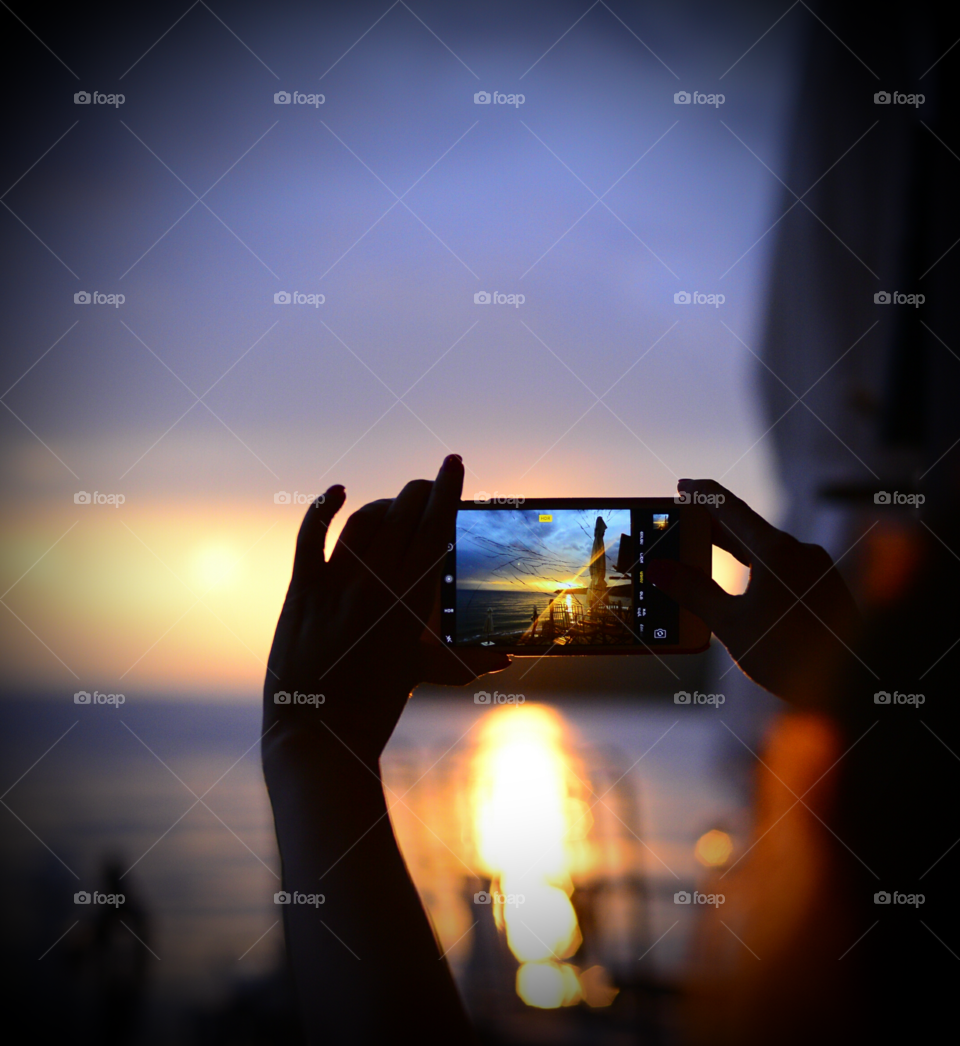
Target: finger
(438, 523)
(357, 535)
(734, 525)
(693, 590)
(399, 526)
(308, 561)
(440, 664)
(722, 537)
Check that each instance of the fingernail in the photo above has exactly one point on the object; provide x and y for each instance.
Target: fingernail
(450, 459)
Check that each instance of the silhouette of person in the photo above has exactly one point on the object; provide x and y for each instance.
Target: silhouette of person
(119, 958)
(342, 627)
(488, 628)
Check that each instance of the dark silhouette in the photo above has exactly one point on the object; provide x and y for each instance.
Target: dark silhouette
(119, 957)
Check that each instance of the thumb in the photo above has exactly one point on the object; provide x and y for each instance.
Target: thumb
(440, 664)
(692, 589)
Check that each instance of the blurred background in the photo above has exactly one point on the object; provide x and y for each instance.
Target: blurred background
(217, 303)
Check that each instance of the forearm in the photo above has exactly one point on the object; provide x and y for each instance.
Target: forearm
(365, 960)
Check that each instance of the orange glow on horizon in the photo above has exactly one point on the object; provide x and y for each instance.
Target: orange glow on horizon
(153, 598)
(729, 573)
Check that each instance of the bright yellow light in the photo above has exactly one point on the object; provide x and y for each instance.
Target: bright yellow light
(713, 848)
(529, 816)
(215, 566)
(530, 828)
(548, 985)
(545, 926)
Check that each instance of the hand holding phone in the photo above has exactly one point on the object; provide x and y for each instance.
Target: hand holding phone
(795, 628)
(352, 639)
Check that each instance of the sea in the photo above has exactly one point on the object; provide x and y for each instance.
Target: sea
(87, 784)
(512, 612)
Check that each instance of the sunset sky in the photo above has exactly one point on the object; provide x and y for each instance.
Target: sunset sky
(515, 549)
(199, 399)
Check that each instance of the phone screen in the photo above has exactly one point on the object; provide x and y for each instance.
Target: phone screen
(548, 577)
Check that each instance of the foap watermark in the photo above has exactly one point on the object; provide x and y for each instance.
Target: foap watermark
(483, 498)
(298, 98)
(484, 697)
(98, 98)
(898, 298)
(495, 897)
(884, 697)
(486, 298)
(898, 98)
(295, 897)
(84, 697)
(298, 298)
(97, 298)
(84, 497)
(284, 697)
(684, 697)
(695, 897)
(284, 497)
(694, 497)
(697, 298)
(888, 897)
(698, 98)
(96, 897)
(884, 497)
(498, 98)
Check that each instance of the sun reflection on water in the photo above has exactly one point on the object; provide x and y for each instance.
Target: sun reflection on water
(531, 825)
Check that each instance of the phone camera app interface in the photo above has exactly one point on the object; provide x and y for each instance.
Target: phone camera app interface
(545, 578)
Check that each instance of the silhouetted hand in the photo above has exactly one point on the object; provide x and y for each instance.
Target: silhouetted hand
(792, 628)
(352, 628)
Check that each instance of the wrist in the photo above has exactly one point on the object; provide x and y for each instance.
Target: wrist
(315, 755)
(344, 731)
(321, 804)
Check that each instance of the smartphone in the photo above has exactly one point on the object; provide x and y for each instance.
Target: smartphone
(566, 576)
